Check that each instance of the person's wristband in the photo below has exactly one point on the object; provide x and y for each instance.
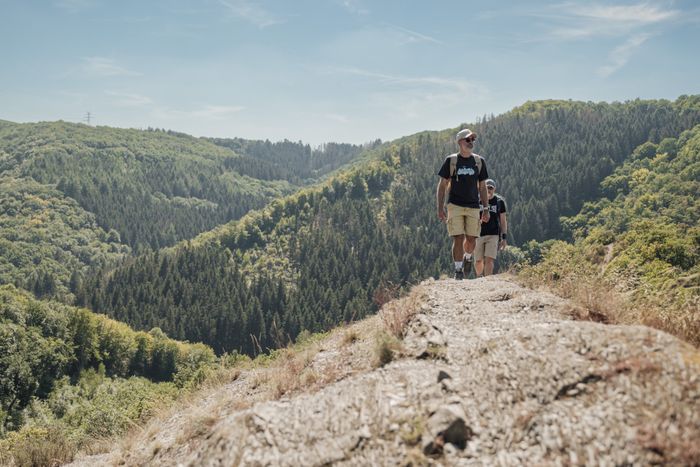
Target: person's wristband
(503, 236)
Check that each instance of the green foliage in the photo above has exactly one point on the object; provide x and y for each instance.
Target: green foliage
(47, 242)
(96, 407)
(511, 258)
(535, 251)
(645, 241)
(43, 342)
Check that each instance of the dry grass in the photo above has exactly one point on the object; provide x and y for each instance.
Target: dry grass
(597, 300)
(351, 336)
(37, 447)
(412, 430)
(395, 316)
(398, 313)
(671, 450)
(386, 348)
(313, 363)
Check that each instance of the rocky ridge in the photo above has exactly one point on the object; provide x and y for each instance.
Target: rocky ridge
(488, 373)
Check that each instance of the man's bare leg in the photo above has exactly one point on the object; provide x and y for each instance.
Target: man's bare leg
(458, 243)
(488, 266)
(469, 244)
(479, 267)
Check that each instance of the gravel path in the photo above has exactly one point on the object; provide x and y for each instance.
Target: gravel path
(490, 374)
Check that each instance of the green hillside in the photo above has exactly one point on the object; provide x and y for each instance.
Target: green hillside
(297, 163)
(47, 241)
(640, 244)
(329, 253)
(153, 188)
(69, 377)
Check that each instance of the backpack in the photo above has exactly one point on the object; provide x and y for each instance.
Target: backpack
(453, 163)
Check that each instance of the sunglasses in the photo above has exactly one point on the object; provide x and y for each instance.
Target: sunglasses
(470, 140)
(490, 187)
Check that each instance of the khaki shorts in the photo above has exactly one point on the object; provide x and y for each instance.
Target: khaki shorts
(463, 221)
(486, 246)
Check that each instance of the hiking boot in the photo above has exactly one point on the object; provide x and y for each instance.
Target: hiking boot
(467, 266)
(459, 275)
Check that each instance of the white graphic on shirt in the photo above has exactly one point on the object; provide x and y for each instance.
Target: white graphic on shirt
(465, 171)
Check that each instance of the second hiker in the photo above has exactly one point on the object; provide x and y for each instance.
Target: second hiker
(493, 233)
(464, 173)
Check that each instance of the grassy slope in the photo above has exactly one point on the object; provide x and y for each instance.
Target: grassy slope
(637, 253)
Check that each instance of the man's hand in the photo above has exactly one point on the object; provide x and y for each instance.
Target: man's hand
(485, 216)
(442, 215)
(502, 244)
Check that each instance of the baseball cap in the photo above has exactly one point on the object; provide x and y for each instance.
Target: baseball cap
(466, 133)
(490, 182)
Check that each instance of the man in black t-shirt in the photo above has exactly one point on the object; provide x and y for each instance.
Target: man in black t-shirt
(493, 233)
(464, 173)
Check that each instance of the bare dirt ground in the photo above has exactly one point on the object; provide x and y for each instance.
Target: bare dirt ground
(489, 373)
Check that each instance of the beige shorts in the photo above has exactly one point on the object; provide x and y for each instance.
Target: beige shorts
(486, 246)
(463, 221)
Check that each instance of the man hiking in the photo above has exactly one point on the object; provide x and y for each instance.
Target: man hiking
(493, 233)
(464, 173)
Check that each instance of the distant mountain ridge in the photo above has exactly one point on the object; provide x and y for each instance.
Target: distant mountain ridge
(295, 162)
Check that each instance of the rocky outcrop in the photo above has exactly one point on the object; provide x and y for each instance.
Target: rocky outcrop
(490, 373)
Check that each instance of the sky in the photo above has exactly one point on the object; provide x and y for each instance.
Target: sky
(333, 70)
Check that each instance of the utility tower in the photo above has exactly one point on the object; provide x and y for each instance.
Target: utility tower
(88, 117)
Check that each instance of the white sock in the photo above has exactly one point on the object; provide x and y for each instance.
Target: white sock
(467, 256)
(458, 265)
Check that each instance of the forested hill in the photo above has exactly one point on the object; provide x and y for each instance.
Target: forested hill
(69, 377)
(151, 187)
(550, 156)
(328, 254)
(297, 163)
(639, 246)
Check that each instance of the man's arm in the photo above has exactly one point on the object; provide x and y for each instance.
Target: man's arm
(441, 189)
(483, 194)
(503, 222)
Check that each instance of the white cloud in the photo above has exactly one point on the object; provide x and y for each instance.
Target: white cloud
(413, 97)
(74, 5)
(124, 99)
(620, 55)
(101, 66)
(607, 20)
(434, 81)
(216, 111)
(355, 7)
(337, 117)
(251, 12)
(410, 36)
(634, 24)
(213, 112)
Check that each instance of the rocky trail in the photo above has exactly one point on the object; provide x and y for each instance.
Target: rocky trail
(489, 373)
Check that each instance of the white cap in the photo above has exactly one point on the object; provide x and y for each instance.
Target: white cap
(463, 134)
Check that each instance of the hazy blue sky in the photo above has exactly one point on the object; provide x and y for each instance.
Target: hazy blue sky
(333, 70)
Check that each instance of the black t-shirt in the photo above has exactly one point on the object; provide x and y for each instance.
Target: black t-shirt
(464, 190)
(497, 205)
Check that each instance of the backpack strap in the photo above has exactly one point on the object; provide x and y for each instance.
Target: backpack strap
(453, 163)
(479, 162)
